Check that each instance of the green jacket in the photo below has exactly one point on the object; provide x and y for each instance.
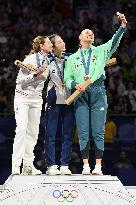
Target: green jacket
(74, 71)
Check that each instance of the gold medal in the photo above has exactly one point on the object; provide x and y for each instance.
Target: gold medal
(86, 77)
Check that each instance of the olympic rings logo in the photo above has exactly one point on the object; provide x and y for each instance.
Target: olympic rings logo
(67, 195)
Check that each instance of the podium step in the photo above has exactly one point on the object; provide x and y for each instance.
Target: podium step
(65, 190)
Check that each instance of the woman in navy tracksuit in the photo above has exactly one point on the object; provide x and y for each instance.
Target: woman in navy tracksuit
(57, 112)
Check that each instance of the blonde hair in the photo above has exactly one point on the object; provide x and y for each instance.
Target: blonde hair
(36, 44)
(80, 35)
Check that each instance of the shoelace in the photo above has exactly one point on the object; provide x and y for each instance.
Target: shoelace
(86, 167)
(65, 167)
(30, 167)
(53, 167)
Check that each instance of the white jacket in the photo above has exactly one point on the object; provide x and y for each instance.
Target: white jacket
(27, 86)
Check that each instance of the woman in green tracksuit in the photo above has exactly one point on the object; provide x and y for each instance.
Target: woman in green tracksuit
(91, 106)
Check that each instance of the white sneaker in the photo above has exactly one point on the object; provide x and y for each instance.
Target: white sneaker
(86, 170)
(30, 170)
(53, 170)
(65, 170)
(36, 171)
(15, 170)
(97, 170)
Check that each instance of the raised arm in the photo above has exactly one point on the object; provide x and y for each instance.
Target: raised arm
(107, 49)
(117, 37)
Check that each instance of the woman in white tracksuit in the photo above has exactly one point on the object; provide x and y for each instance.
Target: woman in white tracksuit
(27, 106)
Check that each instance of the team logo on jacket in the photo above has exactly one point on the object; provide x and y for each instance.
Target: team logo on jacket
(77, 65)
(94, 58)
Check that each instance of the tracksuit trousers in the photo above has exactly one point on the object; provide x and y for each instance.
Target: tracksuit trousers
(27, 115)
(90, 112)
(59, 114)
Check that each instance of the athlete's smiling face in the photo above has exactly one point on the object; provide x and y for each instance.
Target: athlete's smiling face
(86, 36)
(59, 44)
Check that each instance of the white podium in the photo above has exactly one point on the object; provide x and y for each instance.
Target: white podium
(65, 190)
